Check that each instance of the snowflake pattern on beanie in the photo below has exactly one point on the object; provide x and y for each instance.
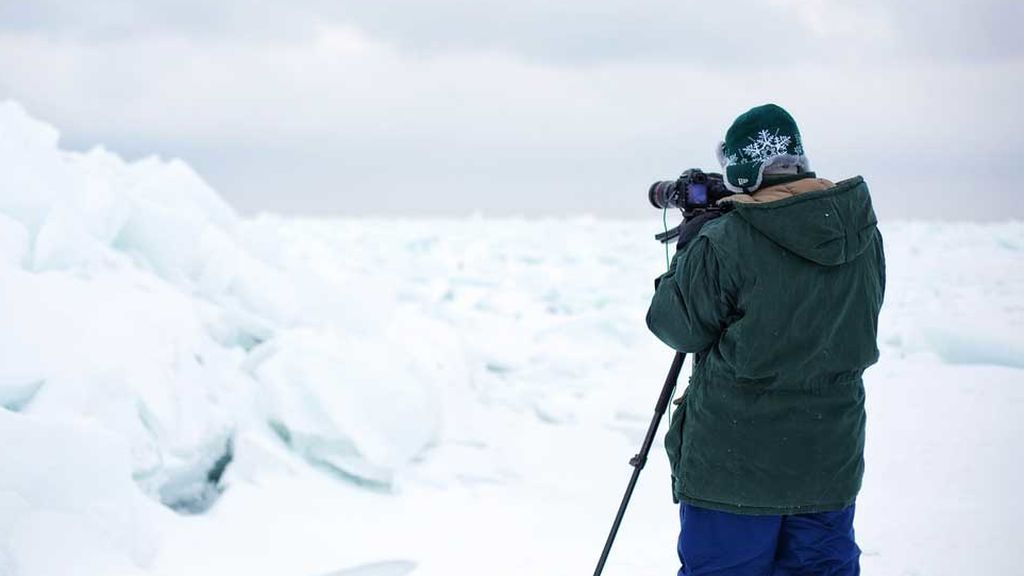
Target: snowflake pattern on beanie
(767, 146)
(759, 137)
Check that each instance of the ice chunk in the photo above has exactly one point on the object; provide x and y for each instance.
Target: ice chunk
(67, 502)
(34, 173)
(352, 404)
(973, 341)
(193, 490)
(15, 396)
(128, 351)
(14, 242)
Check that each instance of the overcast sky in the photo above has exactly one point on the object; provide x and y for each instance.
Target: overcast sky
(528, 107)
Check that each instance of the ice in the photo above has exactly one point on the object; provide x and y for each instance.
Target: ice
(387, 568)
(974, 340)
(127, 351)
(14, 242)
(34, 174)
(14, 396)
(67, 500)
(345, 402)
(129, 297)
(181, 386)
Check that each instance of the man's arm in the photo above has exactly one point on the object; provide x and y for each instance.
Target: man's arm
(689, 308)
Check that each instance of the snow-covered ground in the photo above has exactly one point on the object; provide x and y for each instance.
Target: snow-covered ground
(188, 392)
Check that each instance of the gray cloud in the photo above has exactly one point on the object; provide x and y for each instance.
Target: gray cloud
(527, 107)
(728, 31)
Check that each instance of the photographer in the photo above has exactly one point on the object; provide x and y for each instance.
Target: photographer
(779, 299)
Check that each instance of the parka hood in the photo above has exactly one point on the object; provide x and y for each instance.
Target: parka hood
(830, 227)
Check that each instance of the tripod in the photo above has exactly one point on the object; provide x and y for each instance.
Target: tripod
(638, 461)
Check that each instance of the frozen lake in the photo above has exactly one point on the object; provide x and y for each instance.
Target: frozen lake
(185, 391)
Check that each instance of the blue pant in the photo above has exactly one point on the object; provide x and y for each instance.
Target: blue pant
(721, 544)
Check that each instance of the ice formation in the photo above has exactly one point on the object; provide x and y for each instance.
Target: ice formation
(181, 387)
(133, 313)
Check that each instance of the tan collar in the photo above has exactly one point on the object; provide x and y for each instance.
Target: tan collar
(780, 191)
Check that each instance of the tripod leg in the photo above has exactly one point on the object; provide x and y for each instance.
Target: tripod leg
(638, 461)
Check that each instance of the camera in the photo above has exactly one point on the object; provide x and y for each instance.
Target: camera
(695, 190)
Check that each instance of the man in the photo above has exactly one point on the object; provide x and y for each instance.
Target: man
(779, 299)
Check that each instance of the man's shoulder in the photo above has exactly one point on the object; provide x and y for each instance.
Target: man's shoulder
(729, 238)
(725, 229)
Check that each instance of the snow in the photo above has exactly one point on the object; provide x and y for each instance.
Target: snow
(187, 391)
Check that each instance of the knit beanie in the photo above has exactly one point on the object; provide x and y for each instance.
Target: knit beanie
(765, 137)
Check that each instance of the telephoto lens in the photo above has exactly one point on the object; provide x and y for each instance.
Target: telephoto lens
(664, 194)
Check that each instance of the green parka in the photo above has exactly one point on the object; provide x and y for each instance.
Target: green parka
(779, 300)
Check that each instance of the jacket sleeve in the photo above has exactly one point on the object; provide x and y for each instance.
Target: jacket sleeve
(881, 267)
(689, 308)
